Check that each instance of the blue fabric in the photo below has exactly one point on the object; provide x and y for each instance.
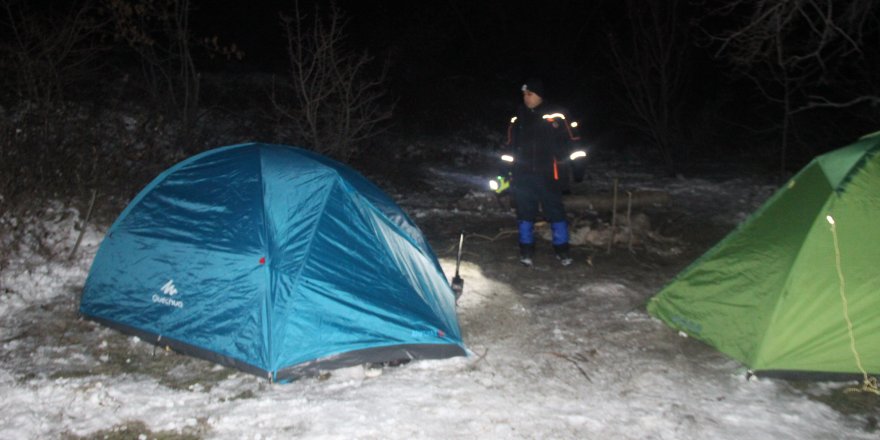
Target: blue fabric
(526, 232)
(560, 232)
(272, 256)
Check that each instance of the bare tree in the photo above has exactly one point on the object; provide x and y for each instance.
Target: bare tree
(159, 33)
(799, 52)
(649, 60)
(334, 102)
(47, 53)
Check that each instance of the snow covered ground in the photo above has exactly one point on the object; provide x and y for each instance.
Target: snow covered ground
(572, 355)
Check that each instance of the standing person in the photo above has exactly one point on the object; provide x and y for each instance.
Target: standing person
(539, 141)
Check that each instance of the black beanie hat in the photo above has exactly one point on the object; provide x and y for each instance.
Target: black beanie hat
(535, 86)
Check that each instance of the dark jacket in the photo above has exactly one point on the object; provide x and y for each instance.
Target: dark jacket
(540, 140)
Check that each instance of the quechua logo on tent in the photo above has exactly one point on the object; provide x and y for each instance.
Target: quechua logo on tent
(167, 297)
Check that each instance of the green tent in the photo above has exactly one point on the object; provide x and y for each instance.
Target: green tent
(779, 293)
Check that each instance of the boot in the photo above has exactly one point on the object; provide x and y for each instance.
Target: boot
(562, 254)
(526, 242)
(526, 253)
(560, 242)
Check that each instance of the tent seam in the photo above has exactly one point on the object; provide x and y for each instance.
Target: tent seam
(308, 253)
(267, 240)
(383, 218)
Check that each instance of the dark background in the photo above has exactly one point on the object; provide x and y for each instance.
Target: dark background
(449, 59)
(454, 72)
(456, 66)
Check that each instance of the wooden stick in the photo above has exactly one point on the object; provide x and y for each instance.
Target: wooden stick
(82, 229)
(629, 205)
(575, 363)
(613, 217)
(601, 202)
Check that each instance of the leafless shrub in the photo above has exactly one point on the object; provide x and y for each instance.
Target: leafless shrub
(158, 32)
(800, 53)
(47, 52)
(330, 97)
(649, 61)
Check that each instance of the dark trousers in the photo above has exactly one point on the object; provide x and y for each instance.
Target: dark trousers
(533, 192)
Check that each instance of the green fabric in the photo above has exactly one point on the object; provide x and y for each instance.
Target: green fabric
(769, 294)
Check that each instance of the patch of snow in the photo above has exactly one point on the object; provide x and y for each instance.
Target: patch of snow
(544, 364)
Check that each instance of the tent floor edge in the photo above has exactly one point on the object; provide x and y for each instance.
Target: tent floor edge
(368, 355)
(182, 347)
(821, 376)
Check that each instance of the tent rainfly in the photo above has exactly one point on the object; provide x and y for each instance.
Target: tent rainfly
(795, 289)
(275, 261)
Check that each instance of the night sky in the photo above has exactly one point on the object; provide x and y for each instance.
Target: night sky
(430, 41)
(457, 65)
(453, 63)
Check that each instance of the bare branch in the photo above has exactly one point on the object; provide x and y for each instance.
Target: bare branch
(823, 102)
(794, 49)
(49, 52)
(334, 103)
(158, 31)
(650, 68)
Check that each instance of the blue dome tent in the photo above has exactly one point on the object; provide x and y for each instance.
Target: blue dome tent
(273, 260)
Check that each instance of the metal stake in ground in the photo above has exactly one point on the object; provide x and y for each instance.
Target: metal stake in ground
(457, 282)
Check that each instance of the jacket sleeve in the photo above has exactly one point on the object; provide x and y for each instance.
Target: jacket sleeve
(511, 134)
(577, 154)
(571, 149)
(567, 134)
(507, 154)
